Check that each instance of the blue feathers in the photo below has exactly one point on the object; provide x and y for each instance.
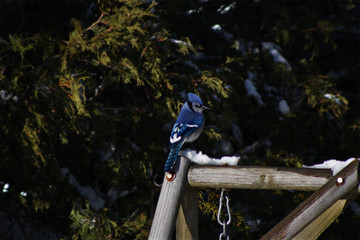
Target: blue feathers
(194, 98)
(187, 127)
(181, 130)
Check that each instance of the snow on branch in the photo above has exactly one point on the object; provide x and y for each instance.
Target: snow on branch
(222, 33)
(95, 200)
(203, 159)
(335, 165)
(283, 107)
(274, 51)
(251, 89)
(333, 98)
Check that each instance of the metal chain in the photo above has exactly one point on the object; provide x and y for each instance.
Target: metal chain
(224, 194)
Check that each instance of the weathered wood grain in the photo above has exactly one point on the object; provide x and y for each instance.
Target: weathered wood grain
(168, 203)
(305, 179)
(187, 226)
(318, 226)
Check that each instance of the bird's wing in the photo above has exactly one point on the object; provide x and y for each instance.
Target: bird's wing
(180, 131)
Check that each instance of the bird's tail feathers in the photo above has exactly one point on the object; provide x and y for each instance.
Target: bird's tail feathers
(174, 152)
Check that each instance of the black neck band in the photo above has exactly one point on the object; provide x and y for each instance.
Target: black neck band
(190, 106)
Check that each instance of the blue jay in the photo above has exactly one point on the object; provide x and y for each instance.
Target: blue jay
(187, 127)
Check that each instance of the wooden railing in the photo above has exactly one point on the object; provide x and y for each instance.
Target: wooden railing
(178, 205)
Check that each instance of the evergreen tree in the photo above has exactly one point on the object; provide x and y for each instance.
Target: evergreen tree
(89, 91)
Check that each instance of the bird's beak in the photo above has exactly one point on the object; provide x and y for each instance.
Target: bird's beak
(204, 107)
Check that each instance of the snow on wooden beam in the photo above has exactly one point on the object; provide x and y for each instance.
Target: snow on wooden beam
(275, 178)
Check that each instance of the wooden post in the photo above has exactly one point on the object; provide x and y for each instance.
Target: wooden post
(279, 178)
(187, 227)
(336, 188)
(168, 203)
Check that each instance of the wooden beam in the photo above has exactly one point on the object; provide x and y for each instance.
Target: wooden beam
(279, 178)
(321, 223)
(318, 226)
(168, 204)
(187, 226)
(336, 188)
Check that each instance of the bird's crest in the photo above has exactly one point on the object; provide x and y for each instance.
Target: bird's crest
(194, 98)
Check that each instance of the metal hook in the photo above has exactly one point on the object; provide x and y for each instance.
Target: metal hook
(223, 223)
(155, 183)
